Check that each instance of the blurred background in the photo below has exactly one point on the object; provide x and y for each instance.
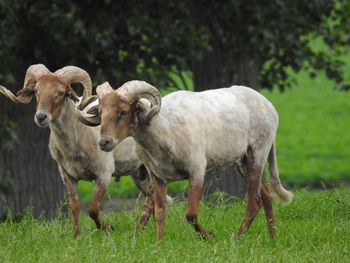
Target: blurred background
(294, 52)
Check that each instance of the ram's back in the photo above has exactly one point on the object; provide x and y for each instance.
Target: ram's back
(221, 123)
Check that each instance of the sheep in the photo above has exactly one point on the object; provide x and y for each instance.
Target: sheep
(186, 133)
(73, 145)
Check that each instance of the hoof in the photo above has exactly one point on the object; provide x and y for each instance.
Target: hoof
(107, 228)
(140, 227)
(206, 235)
(76, 233)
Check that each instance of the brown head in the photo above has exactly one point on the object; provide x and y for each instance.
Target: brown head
(50, 90)
(122, 111)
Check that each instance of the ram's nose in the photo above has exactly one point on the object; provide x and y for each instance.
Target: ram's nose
(41, 116)
(42, 119)
(106, 143)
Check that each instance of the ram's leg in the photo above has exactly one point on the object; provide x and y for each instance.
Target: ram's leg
(159, 195)
(267, 204)
(143, 182)
(148, 211)
(94, 208)
(72, 189)
(194, 196)
(254, 176)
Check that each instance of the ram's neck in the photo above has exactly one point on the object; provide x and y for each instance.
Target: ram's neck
(155, 134)
(64, 130)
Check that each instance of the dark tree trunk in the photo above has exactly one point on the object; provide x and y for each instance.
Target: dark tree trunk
(36, 182)
(225, 180)
(218, 70)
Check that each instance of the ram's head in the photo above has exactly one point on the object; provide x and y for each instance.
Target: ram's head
(121, 111)
(50, 90)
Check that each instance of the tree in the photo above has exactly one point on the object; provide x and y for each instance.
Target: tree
(230, 41)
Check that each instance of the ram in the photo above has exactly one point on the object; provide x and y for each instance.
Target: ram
(74, 145)
(187, 133)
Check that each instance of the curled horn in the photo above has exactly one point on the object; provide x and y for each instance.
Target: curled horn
(72, 74)
(93, 120)
(138, 90)
(34, 72)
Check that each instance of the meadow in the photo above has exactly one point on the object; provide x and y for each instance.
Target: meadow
(314, 228)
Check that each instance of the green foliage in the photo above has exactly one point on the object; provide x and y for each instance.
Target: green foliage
(111, 40)
(314, 228)
(119, 41)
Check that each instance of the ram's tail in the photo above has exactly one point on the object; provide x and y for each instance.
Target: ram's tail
(279, 193)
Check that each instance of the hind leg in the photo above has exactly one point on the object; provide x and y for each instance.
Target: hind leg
(143, 182)
(148, 211)
(254, 176)
(267, 204)
(194, 196)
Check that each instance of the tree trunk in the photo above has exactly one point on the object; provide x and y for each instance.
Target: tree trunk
(36, 182)
(225, 180)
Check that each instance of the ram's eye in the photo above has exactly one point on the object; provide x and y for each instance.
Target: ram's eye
(61, 93)
(124, 113)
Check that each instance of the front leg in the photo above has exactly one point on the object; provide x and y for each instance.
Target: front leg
(74, 204)
(159, 196)
(94, 208)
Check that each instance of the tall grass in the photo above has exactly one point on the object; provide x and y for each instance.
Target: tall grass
(314, 228)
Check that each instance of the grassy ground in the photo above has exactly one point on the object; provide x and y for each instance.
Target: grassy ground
(314, 228)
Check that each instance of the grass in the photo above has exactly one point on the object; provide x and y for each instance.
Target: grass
(314, 228)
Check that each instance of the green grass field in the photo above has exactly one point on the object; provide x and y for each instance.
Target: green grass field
(314, 228)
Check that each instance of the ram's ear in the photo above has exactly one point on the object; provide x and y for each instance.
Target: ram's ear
(103, 89)
(28, 90)
(72, 95)
(145, 111)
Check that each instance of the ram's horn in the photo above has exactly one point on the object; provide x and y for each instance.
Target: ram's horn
(93, 120)
(138, 89)
(34, 72)
(72, 74)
